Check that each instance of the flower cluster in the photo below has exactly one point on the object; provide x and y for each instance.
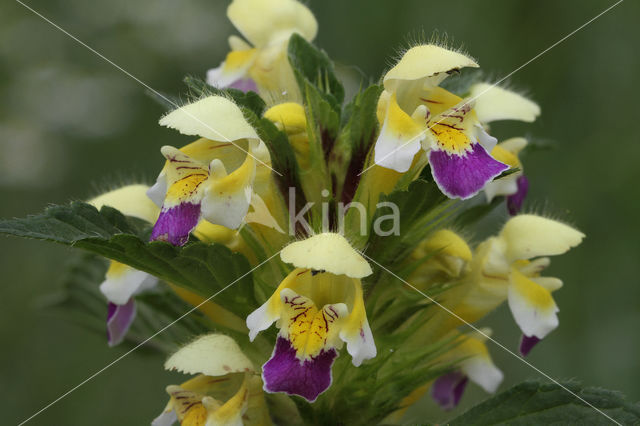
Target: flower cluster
(287, 174)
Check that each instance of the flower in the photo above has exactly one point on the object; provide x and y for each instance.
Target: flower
(265, 65)
(318, 306)
(508, 267)
(494, 103)
(130, 200)
(221, 190)
(290, 117)
(475, 364)
(123, 282)
(516, 185)
(415, 112)
(472, 362)
(226, 390)
(444, 257)
(208, 178)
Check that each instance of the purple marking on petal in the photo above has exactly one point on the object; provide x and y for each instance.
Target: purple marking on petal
(448, 389)
(514, 202)
(285, 373)
(245, 84)
(463, 176)
(119, 319)
(527, 343)
(175, 224)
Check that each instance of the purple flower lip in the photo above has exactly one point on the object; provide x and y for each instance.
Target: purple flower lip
(284, 372)
(514, 201)
(527, 343)
(463, 176)
(119, 319)
(448, 389)
(245, 85)
(174, 224)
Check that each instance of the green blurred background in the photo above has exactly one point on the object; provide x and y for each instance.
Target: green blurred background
(71, 124)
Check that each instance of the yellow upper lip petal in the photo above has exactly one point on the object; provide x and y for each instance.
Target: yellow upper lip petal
(327, 251)
(427, 60)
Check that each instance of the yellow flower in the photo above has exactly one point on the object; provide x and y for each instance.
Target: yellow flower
(447, 256)
(226, 390)
(475, 364)
(130, 200)
(507, 153)
(290, 117)
(508, 266)
(417, 114)
(318, 307)
(122, 282)
(494, 103)
(267, 26)
(211, 178)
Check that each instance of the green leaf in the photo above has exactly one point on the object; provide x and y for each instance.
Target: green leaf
(313, 65)
(323, 124)
(323, 95)
(422, 207)
(324, 118)
(78, 298)
(367, 394)
(536, 403)
(205, 269)
(155, 310)
(508, 172)
(354, 142)
(72, 223)
(198, 88)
